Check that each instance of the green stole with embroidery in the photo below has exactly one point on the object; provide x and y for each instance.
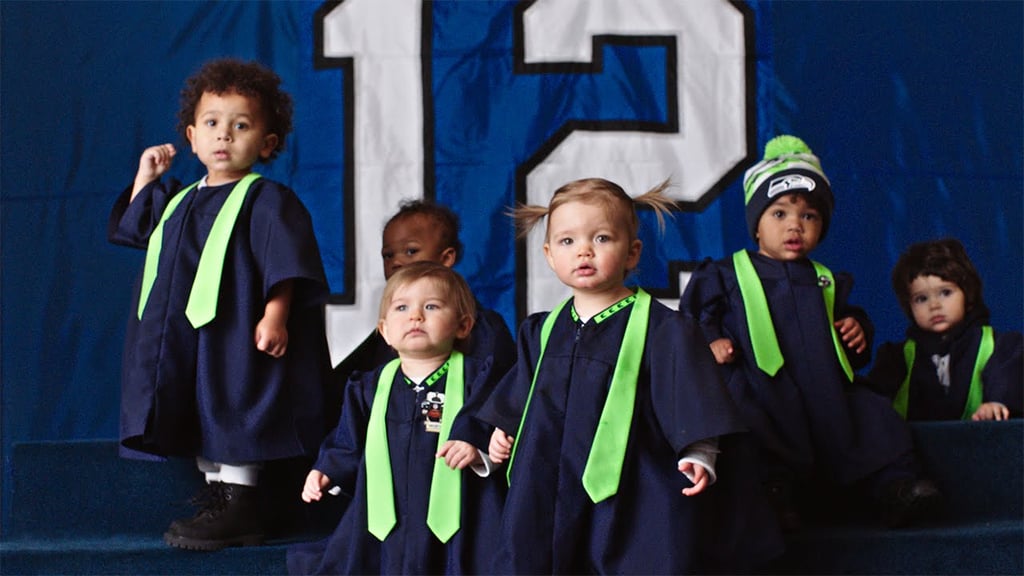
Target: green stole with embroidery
(444, 509)
(763, 339)
(608, 451)
(974, 394)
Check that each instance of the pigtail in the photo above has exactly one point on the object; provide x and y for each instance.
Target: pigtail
(657, 200)
(608, 193)
(525, 217)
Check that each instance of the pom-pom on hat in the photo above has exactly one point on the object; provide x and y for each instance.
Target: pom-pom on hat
(788, 167)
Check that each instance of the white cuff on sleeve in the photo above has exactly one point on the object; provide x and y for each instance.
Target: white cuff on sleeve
(483, 469)
(703, 453)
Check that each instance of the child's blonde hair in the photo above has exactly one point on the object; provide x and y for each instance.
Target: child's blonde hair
(618, 205)
(452, 283)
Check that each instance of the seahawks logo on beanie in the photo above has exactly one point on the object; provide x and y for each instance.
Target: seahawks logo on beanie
(788, 167)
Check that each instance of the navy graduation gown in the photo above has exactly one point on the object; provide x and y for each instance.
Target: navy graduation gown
(808, 416)
(550, 525)
(1002, 378)
(410, 548)
(209, 391)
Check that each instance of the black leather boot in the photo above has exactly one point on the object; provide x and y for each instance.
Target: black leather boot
(229, 515)
(910, 501)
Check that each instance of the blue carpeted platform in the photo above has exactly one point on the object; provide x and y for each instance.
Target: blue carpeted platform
(134, 555)
(79, 509)
(979, 466)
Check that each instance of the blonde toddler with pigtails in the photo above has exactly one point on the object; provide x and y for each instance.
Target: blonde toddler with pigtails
(616, 429)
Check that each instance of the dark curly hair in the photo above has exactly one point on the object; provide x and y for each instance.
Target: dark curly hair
(446, 220)
(251, 79)
(946, 259)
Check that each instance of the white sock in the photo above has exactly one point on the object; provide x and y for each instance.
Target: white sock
(244, 474)
(209, 468)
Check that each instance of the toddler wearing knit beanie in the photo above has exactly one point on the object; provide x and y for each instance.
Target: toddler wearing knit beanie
(787, 342)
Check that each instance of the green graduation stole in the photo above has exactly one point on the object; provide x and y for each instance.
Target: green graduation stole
(444, 508)
(763, 340)
(156, 240)
(974, 393)
(202, 300)
(604, 463)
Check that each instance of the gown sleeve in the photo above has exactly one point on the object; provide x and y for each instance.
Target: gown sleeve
(492, 338)
(888, 371)
(504, 407)
(283, 244)
(705, 300)
(843, 309)
(132, 221)
(690, 401)
(1003, 376)
(480, 382)
(342, 449)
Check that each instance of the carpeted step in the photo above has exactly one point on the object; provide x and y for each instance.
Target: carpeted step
(985, 548)
(989, 547)
(83, 489)
(979, 466)
(78, 508)
(134, 555)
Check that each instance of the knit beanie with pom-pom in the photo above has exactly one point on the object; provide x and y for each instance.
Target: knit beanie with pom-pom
(788, 167)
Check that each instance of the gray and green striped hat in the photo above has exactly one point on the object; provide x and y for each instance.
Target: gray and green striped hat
(788, 167)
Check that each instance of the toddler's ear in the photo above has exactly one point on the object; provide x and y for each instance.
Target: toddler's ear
(383, 329)
(548, 256)
(269, 144)
(448, 257)
(635, 249)
(465, 327)
(190, 134)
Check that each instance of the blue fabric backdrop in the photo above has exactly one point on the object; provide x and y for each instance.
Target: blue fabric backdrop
(915, 109)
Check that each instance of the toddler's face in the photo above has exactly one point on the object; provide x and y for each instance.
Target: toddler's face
(421, 322)
(413, 238)
(588, 250)
(789, 229)
(229, 135)
(936, 304)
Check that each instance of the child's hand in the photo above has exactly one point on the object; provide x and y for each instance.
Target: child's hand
(154, 162)
(852, 334)
(991, 411)
(699, 475)
(458, 454)
(271, 337)
(500, 447)
(723, 351)
(272, 330)
(312, 490)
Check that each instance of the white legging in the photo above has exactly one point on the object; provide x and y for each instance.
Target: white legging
(244, 474)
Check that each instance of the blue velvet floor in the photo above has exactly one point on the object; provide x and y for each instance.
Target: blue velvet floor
(79, 509)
